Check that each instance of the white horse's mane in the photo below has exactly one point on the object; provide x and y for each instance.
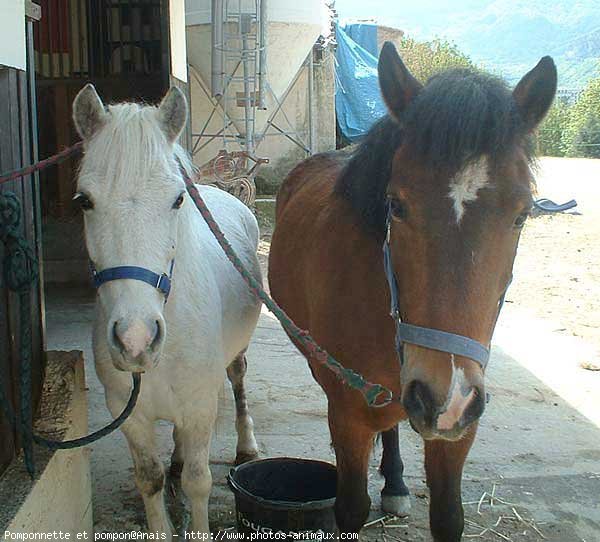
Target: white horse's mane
(136, 146)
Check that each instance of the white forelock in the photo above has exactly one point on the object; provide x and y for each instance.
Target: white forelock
(130, 148)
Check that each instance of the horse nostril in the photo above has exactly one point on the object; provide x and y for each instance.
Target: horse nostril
(418, 401)
(158, 335)
(475, 409)
(117, 342)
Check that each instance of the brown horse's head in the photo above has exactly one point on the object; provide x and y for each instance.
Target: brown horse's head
(453, 161)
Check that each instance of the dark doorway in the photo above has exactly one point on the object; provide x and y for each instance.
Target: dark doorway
(122, 47)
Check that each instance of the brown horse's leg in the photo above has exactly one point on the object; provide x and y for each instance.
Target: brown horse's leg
(352, 443)
(395, 495)
(444, 462)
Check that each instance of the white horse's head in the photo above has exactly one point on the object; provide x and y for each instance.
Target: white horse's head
(130, 189)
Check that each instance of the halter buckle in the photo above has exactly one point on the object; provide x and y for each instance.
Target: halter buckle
(163, 285)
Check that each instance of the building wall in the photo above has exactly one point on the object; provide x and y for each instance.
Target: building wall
(387, 33)
(12, 32)
(293, 117)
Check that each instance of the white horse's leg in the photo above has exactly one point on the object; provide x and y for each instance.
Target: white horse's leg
(177, 456)
(149, 473)
(196, 478)
(246, 448)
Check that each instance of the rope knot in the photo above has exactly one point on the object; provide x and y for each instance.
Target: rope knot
(20, 266)
(10, 216)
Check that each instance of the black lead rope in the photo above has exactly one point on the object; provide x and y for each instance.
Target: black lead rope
(96, 435)
(19, 273)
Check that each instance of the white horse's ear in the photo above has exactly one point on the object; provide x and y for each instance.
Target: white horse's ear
(89, 113)
(172, 114)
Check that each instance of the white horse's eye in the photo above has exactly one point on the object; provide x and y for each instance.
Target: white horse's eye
(179, 201)
(84, 201)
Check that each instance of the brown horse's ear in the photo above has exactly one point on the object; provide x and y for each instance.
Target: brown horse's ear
(89, 113)
(398, 86)
(535, 92)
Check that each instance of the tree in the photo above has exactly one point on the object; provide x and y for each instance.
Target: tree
(582, 133)
(586, 142)
(551, 131)
(425, 58)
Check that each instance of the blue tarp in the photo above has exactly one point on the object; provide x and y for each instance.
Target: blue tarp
(365, 35)
(358, 102)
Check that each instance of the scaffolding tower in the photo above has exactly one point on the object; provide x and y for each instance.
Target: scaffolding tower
(239, 66)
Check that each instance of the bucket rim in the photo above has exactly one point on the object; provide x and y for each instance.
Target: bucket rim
(273, 503)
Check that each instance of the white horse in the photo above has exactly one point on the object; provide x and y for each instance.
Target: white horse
(136, 213)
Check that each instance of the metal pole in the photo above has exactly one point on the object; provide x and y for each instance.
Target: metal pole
(249, 135)
(35, 178)
(262, 59)
(217, 48)
(311, 105)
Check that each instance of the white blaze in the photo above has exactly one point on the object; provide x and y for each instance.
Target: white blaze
(467, 183)
(456, 402)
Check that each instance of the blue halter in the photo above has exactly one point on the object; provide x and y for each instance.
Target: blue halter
(161, 282)
(426, 337)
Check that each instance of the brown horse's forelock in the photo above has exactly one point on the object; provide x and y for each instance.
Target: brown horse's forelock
(459, 116)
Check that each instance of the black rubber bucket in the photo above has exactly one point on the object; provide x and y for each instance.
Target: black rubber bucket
(284, 494)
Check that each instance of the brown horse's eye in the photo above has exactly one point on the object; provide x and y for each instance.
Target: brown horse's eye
(179, 201)
(84, 201)
(398, 208)
(521, 219)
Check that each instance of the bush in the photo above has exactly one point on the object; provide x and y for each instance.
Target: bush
(425, 58)
(582, 133)
(573, 130)
(551, 131)
(586, 142)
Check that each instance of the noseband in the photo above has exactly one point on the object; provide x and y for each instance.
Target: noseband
(427, 337)
(161, 282)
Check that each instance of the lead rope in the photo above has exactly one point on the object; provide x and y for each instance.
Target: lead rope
(352, 379)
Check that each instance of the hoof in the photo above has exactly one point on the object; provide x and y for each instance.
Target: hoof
(244, 457)
(397, 505)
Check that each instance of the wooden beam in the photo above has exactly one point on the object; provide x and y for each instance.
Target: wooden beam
(33, 11)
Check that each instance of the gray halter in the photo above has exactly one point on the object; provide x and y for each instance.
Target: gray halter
(426, 337)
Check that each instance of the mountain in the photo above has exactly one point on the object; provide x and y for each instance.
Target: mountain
(504, 36)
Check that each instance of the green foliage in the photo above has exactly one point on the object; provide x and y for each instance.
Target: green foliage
(586, 142)
(582, 133)
(425, 58)
(550, 133)
(573, 130)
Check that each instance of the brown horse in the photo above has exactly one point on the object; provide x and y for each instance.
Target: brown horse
(452, 167)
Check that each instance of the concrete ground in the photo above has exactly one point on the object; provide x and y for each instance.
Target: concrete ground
(533, 473)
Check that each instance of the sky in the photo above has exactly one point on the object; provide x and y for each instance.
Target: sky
(405, 14)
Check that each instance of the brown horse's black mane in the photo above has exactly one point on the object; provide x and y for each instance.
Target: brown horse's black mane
(459, 116)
